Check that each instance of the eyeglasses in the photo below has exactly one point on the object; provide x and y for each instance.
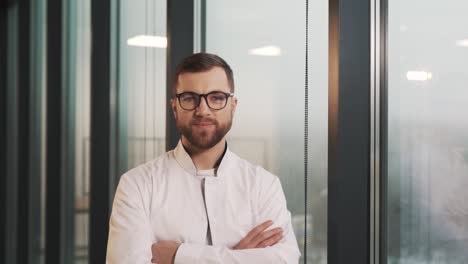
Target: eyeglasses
(215, 100)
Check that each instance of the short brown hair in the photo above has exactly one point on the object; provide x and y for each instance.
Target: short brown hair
(201, 62)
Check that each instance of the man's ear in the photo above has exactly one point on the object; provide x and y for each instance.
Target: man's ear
(174, 107)
(233, 105)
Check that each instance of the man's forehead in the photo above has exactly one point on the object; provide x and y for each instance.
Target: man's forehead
(214, 78)
(215, 74)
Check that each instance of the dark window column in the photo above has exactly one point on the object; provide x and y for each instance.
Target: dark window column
(55, 238)
(102, 112)
(179, 45)
(382, 163)
(19, 192)
(349, 132)
(3, 127)
(23, 139)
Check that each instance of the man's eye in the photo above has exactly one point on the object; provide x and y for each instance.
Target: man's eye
(188, 99)
(217, 98)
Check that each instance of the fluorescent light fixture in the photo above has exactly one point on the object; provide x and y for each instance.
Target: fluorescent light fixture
(148, 41)
(266, 51)
(418, 75)
(462, 43)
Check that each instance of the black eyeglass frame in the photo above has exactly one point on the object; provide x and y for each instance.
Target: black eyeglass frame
(206, 100)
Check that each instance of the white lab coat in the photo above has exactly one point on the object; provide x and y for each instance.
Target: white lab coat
(162, 200)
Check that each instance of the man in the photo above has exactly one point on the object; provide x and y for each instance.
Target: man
(201, 203)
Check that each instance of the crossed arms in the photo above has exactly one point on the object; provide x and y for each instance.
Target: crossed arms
(130, 239)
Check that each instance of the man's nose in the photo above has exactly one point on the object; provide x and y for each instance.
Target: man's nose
(203, 108)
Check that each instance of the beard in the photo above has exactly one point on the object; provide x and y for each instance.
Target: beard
(206, 138)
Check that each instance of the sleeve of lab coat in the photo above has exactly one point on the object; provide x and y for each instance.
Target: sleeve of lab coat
(130, 236)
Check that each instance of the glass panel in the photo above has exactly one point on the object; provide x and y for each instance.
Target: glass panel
(427, 132)
(317, 199)
(267, 55)
(142, 82)
(38, 68)
(79, 105)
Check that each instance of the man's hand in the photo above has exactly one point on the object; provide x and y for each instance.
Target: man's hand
(259, 238)
(164, 252)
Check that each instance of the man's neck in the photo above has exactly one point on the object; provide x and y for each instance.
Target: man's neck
(205, 159)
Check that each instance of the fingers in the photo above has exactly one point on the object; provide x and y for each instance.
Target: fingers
(257, 230)
(266, 236)
(154, 251)
(259, 238)
(245, 242)
(271, 241)
(155, 258)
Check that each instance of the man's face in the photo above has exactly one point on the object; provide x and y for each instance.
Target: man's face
(203, 127)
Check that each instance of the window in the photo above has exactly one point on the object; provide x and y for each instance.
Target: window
(265, 44)
(427, 132)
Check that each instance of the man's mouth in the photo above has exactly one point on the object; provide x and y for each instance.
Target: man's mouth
(203, 123)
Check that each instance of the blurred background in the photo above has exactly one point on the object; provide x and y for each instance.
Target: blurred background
(63, 149)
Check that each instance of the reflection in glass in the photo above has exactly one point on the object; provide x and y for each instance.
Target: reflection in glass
(267, 56)
(79, 87)
(38, 130)
(427, 132)
(142, 82)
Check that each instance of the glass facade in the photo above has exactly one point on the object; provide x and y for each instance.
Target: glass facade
(141, 82)
(268, 59)
(266, 44)
(427, 132)
(79, 85)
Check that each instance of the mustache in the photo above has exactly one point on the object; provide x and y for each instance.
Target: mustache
(204, 120)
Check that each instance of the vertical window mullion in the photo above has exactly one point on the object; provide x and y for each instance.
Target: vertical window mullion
(180, 32)
(54, 252)
(102, 13)
(23, 143)
(3, 134)
(11, 166)
(349, 132)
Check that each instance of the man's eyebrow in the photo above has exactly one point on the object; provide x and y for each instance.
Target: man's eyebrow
(189, 91)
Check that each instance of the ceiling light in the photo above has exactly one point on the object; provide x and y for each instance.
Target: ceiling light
(418, 75)
(266, 51)
(148, 41)
(462, 43)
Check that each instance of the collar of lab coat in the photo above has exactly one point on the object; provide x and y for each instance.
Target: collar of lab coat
(185, 161)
